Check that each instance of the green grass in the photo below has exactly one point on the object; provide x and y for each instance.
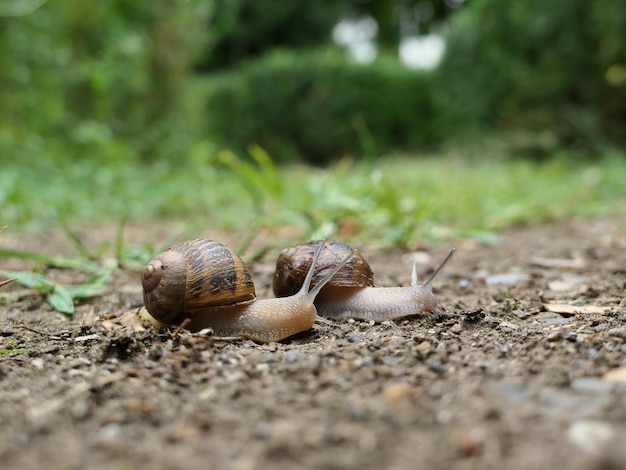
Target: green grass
(391, 201)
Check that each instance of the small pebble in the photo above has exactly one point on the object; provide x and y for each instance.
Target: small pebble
(110, 431)
(262, 369)
(508, 325)
(394, 392)
(471, 442)
(80, 408)
(79, 362)
(591, 436)
(507, 279)
(267, 358)
(590, 385)
(293, 356)
(436, 365)
(391, 361)
(354, 338)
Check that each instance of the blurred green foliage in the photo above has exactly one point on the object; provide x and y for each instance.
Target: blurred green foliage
(316, 106)
(549, 76)
(107, 80)
(123, 80)
(556, 70)
(245, 29)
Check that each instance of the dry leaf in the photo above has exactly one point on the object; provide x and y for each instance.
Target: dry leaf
(129, 320)
(576, 263)
(568, 310)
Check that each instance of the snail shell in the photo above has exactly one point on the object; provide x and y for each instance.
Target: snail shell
(293, 263)
(192, 276)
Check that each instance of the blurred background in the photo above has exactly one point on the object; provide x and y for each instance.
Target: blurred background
(335, 116)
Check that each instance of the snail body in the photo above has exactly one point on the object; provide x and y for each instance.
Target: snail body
(351, 293)
(205, 284)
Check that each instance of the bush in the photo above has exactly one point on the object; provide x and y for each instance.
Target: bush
(544, 67)
(243, 29)
(100, 80)
(315, 106)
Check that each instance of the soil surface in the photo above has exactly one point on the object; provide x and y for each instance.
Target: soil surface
(523, 366)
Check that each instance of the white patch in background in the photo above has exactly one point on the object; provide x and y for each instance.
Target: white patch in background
(422, 52)
(358, 36)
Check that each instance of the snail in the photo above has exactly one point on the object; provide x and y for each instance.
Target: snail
(205, 284)
(351, 292)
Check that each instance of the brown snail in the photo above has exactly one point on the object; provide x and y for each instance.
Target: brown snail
(351, 292)
(205, 284)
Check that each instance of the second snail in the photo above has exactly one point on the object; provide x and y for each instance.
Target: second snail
(351, 292)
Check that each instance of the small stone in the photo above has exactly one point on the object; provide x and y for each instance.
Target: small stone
(590, 385)
(456, 329)
(508, 325)
(591, 436)
(267, 358)
(554, 336)
(38, 363)
(110, 431)
(293, 356)
(50, 349)
(79, 362)
(507, 279)
(354, 338)
(436, 365)
(394, 392)
(391, 361)
(262, 369)
(471, 442)
(80, 408)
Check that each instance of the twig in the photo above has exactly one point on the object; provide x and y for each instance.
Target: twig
(42, 333)
(8, 281)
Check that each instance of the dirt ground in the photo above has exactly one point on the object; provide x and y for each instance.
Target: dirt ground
(524, 366)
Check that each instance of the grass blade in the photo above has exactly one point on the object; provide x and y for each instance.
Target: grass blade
(61, 300)
(51, 260)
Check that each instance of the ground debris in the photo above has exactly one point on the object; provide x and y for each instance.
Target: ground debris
(528, 374)
(568, 310)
